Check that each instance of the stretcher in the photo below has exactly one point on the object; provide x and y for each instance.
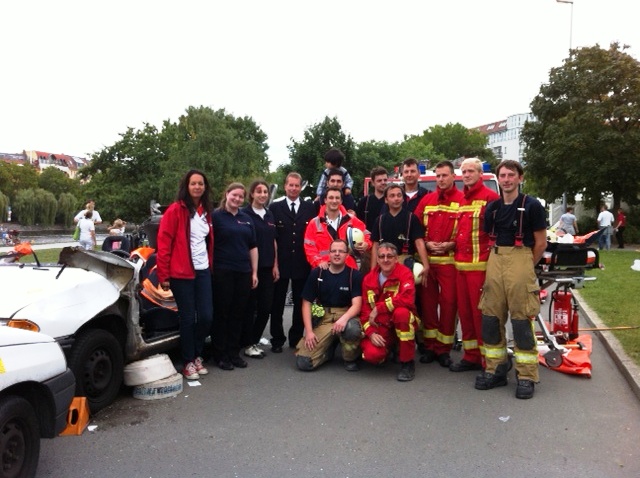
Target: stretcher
(559, 346)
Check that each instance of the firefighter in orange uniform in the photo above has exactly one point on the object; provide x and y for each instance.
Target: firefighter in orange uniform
(438, 212)
(471, 254)
(388, 313)
(332, 223)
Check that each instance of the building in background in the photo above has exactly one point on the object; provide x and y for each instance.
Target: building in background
(41, 160)
(504, 136)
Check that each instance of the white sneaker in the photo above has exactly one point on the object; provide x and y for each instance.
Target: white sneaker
(254, 351)
(200, 368)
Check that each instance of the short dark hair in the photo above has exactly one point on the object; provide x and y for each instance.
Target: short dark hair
(334, 172)
(334, 156)
(333, 188)
(391, 186)
(446, 164)
(410, 162)
(378, 171)
(340, 241)
(512, 165)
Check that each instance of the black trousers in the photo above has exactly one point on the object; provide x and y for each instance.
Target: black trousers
(231, 292)
(277, 311)
(620, 237)
(260, 303)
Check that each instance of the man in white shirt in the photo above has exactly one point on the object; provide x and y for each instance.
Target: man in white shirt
(605, 221)
(91, 204)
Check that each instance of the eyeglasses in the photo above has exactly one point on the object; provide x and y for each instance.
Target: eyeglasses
(336, 251)
(386, 256)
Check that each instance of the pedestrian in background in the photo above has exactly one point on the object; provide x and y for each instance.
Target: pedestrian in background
(605, 222)
(87, 231)
(90, 206)
(620, 227)
(235, 273)
(184, 264)
(261, 298)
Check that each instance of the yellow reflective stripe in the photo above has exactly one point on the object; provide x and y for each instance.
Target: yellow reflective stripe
(470, 344)
(392, 288)
(371, 298)
(414, 321)
(441, 259)
(429, 333)
(482, 352)
(405, 336)
(389, 303)
(471, 266)
(445, 339)
(495, 352)
(526, 357)
(366, 325)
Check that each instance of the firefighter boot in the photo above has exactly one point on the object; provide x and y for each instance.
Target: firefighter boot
(407, 371)
(487, 381)
(525, 389)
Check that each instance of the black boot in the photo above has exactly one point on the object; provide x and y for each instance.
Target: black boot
(407, 371)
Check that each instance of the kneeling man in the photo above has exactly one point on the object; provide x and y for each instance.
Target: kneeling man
(389, 313)
(338, 290)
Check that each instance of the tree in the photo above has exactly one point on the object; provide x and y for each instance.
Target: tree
(57, 182)
(453, 141)
(66, 209)
(14, 177)
(307, 155)
(586, 137)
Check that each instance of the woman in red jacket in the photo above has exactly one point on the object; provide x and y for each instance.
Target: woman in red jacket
(184, 264)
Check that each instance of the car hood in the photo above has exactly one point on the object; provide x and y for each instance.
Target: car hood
(11, 336)
(61, 298)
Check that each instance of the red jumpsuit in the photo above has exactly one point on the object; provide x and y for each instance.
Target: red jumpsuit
(396, 321)
(471, 254)
(438, 212)
(317, 238)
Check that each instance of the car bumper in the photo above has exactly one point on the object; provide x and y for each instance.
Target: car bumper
(62, 389)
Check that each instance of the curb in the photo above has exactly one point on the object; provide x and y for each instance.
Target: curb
(627, 367)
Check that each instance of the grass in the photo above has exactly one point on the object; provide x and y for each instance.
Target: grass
(615, 297)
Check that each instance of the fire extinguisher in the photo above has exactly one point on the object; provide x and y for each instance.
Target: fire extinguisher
(565, 313)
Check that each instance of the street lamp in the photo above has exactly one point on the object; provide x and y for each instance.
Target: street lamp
(570, 23)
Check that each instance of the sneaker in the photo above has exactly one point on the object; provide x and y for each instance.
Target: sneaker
(225, 364)
(189, 371)
(444, 360)
(487, 381)
(351, 366)
(254, 351)
(464, 366)
(525, 389)
(200, 368)
(407, 371)
(238, 362)
(428, 356)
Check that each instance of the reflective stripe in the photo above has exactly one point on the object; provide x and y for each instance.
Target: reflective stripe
(526, 357)
(318, 224)
(405, 336)
(429, 333)
(495, 352)
(445, 339)
(371, 298)
(470, 344)
(482, 351)
(366, 325)
(389, 303)
(471, 266)
(442, 259)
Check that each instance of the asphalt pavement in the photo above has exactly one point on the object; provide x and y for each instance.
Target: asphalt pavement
(271, 420)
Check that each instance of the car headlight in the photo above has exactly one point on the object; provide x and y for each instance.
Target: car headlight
(23, 324)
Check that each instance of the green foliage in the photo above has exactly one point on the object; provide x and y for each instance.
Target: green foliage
(587, 135)
(307, 155)
(614, 297)
(24, 207)
(453, 141)
(14, 177)
(46, 207)
(370, 154)
(56, 181)
(4, 204)
(147, 164)
(67, 209)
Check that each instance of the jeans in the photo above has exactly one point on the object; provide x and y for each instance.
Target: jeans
(605, 239)
(194, 299)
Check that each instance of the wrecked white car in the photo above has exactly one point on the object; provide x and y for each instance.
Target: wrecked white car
(91, 304)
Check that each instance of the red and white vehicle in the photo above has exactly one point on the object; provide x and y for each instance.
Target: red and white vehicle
(428, 181)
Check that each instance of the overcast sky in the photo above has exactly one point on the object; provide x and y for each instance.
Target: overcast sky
(75, 74)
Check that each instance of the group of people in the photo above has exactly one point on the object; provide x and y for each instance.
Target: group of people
(607, 223)
(86, 221)
(230, 270)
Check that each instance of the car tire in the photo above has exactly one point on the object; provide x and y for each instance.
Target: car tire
(97, 362)
(19, 437)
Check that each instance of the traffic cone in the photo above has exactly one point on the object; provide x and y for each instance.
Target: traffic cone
(77, 417)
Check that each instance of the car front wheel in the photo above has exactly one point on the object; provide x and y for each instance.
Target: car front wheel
(19, 438)
(97, 363)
